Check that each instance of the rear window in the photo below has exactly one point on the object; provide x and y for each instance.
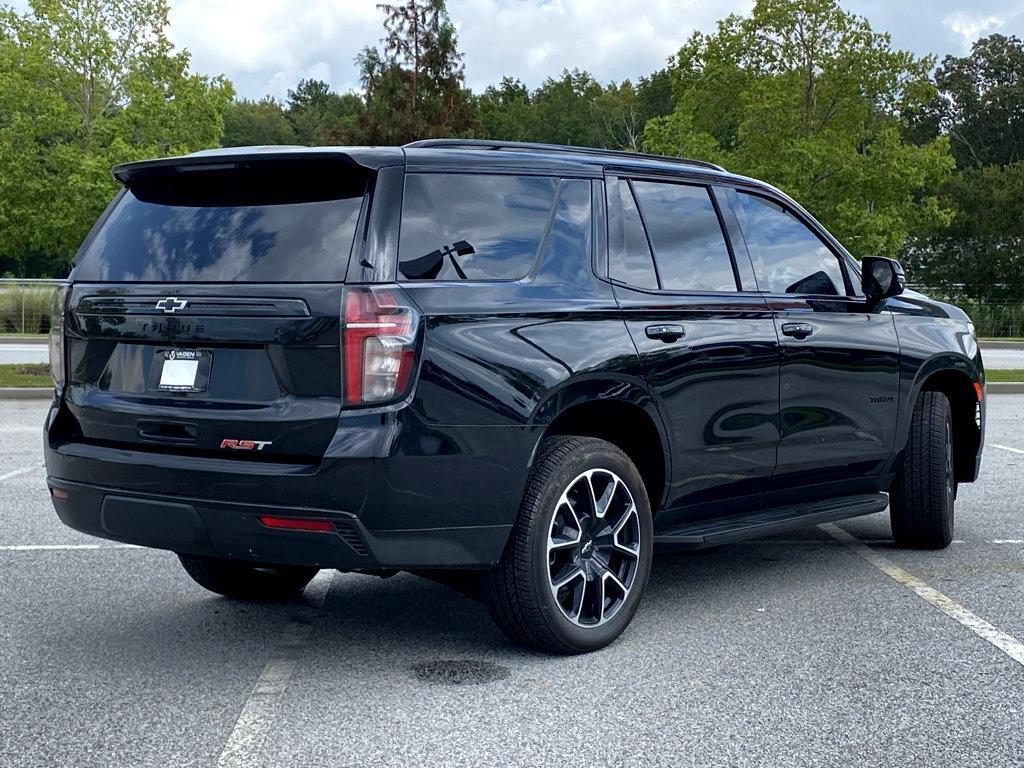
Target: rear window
(473, 226)
(253, 226)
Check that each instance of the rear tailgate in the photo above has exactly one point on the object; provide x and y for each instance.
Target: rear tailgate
(204, 311)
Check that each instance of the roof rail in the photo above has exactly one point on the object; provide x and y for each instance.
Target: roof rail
(488, 144)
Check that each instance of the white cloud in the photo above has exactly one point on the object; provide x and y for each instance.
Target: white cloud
(971, 26)
(266, 46)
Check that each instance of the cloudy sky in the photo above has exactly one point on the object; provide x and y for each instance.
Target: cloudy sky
(266, 46)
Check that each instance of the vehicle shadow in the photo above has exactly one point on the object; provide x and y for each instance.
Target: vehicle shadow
(410, 618)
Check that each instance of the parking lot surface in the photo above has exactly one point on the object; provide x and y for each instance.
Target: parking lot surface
(796, 650)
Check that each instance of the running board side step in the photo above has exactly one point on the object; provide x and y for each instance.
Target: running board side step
(694, 535)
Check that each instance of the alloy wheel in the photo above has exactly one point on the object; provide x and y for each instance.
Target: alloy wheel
(593, 548)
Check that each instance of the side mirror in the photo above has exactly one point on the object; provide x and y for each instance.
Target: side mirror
(881, 277)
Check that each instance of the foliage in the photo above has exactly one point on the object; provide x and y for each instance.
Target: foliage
(85, 84)
(248, 122)
(809, 97)
(320, 116)
(980, 254)
(25, 309)
(980, 104)
(414, 87)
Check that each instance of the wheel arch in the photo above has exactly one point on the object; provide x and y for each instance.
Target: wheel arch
(962, 384)
(619, 411)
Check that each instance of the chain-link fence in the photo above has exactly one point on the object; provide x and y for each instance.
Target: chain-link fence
(25, 305)
(1003, 318)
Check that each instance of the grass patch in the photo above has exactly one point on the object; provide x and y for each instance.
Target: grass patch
(1004, 375)
(25, 375)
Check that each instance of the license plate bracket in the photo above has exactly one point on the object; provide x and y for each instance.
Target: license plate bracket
(181, 370)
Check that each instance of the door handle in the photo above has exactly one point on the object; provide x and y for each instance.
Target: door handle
(797, 330)
(666, 332)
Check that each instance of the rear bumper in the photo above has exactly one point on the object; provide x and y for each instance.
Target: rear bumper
(233, 530)
(401, 494)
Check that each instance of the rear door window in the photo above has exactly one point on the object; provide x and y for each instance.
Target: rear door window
(473, 226)
(251, 227)
(633, 264)
(788, 257)
(686, 235)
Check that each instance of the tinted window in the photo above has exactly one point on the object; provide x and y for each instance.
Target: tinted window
(634, 265)
(162, 235)
(788, 257)
(473, 226)
(689, 245)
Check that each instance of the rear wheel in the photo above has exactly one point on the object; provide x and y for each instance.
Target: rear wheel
(922, 495)
(239, 579)
(579, 556)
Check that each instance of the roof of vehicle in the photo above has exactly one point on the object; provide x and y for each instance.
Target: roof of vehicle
(440, 154)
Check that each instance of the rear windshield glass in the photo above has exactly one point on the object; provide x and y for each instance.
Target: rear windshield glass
(235, 227)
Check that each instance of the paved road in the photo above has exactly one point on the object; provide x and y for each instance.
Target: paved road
(37, 353)
(1003, 358)
(23, 353)
(791, 651)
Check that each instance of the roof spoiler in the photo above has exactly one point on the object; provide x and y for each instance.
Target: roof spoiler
(370, 158)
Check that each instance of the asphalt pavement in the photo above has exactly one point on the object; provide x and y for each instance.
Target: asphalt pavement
(803, 649)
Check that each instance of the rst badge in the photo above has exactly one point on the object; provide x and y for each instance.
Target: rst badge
(243, 445)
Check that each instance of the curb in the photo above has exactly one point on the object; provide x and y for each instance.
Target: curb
(1005, 388)
(26, 393)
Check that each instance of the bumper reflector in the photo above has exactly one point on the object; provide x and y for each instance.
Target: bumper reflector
(296, 524)
(59, 494)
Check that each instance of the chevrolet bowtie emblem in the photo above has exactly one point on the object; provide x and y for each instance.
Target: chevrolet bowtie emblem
(172, 304)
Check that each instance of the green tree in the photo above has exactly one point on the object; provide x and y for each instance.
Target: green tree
(319, 116)
(414, 88)
(981, 102)
(563, 110)
(980, 254)
(85, 84)
(809, 97)
(248, 123)
(505, 111)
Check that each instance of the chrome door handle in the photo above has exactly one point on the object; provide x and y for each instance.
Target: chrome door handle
(666, 332)
(797, 330)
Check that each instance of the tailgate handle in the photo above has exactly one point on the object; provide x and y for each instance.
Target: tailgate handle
(168, 432)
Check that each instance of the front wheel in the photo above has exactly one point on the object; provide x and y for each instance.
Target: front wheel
(579, 556)
(922, 495)
(247, 581)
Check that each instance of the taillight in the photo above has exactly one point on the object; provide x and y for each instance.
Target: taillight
(57, 335)
(378, 344)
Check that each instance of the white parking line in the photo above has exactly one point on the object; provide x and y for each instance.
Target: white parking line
(114, 546)
(1006, 448)
(22, 471)
(245, 742)
(1007, 644)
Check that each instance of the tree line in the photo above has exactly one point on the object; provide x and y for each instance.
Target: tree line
(897, 154)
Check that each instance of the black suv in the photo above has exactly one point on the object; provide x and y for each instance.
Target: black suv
(517, 369)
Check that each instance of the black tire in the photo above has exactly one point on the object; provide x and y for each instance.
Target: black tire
(519, 591)
(247, 581)
(922, 495)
